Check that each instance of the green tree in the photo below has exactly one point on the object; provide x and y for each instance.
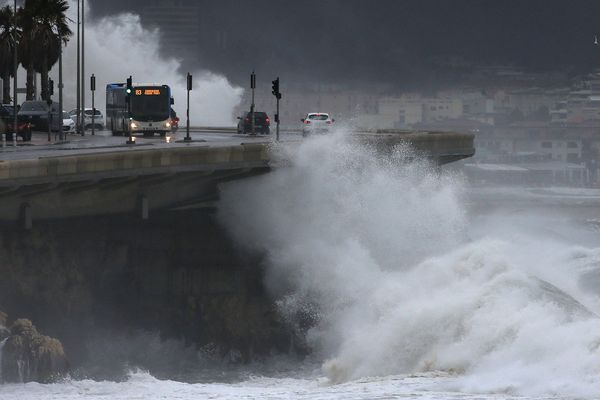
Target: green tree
(26, 47)
(44, 24)
(8, 39)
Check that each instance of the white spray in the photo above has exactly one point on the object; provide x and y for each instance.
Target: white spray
(2, 343)
(119, 46)
(378, 248)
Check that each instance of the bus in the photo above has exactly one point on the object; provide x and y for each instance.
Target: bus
(150, 109)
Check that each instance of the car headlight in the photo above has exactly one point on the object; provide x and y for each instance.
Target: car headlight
(168, 124)
(133, 125)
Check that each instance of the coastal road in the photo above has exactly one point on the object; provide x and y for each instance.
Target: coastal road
(103, 141)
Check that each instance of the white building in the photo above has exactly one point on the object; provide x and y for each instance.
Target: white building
(400, 112)
(436, 109)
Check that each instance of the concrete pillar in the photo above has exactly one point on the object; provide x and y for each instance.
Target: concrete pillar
(26, 218)
(144, 207)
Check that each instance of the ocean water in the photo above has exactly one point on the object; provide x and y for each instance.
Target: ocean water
(419, 286)
(143, 386)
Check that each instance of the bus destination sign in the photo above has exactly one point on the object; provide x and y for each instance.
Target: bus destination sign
(147, 92)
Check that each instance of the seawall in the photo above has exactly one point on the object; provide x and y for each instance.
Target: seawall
(178, 274)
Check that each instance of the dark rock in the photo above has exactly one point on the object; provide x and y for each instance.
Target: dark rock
(29, 356)
(4, 332)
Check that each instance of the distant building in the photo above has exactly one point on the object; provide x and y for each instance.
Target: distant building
(399, 112)
(558, 115)
(435, 109)
(406, 111)
(564, 143)
(479, 107)
(534, 101)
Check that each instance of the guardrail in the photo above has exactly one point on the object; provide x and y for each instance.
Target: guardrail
(295, 129)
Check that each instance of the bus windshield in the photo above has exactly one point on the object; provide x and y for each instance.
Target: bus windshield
(150, 103)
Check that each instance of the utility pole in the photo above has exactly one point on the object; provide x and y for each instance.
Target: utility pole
(277, 95)
(252, 86)
(15, 66)
(187, 126)
(93, 89)
(49, 102)
(78, 122)
(83, 66)
(60, 91)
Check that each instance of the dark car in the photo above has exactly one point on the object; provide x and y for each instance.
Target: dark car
(35, 113)
(7, 123)
(174, 121)
(262, 123)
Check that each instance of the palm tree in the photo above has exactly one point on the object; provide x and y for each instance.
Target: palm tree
(8, 37)
(44, 27)
(26, 48)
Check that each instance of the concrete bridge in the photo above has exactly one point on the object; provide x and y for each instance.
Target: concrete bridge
(99, 178)
(88, 263)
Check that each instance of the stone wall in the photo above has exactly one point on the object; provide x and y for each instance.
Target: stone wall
(177, 273)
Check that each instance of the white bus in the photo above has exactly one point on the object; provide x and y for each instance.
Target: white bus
(150, 109)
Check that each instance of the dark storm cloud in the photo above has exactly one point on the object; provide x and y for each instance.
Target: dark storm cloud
(387, 40)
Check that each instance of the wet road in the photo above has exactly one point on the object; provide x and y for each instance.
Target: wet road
(103, 141)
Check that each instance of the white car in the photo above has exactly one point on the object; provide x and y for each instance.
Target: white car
(316, 122)
(87, 120)
(68, 123)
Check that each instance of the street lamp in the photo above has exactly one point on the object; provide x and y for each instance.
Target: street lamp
(83, 65)
(60, 88)
(78, 95)
(15, 65)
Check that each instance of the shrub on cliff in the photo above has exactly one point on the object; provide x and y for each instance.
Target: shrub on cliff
(29, 356)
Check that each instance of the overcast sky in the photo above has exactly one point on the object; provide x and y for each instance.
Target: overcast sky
(389, 40)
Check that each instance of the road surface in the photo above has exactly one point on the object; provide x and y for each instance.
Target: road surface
(103, 141)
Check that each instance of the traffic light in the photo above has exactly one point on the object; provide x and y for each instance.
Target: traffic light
(128, 89)
(50, 87)
(275, 91)
(92, 83)
(189, 81)
(129, 85)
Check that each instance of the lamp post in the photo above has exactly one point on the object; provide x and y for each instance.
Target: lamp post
(60, 90)
(83, 66)
(78, 122)
(15, 66)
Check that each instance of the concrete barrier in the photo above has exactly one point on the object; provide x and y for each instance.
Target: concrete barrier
(147, 179)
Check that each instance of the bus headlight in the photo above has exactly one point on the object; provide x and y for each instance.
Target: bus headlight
(133, 125)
